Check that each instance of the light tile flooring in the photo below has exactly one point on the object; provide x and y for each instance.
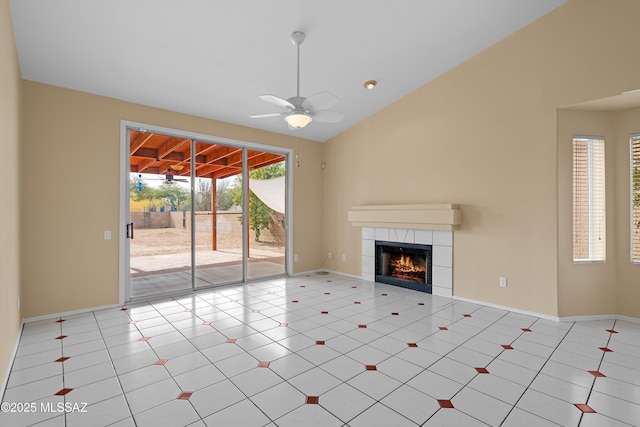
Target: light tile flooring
(322, 351)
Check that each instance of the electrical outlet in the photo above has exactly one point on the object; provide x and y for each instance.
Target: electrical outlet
(503, 282)
(295, 258)
(344, 258)
(107, 234)
(329, 255)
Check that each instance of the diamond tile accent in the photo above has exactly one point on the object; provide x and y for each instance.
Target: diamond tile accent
(188, 310)
(61, 337)
(445, 404)
(145, 339)
(124, 309)
(606, 350)
(295, 300)
(218, 376)
(255, 311)
(585, 408)
(467, 315)
(384, 295)
(324, 312)
(63, 392)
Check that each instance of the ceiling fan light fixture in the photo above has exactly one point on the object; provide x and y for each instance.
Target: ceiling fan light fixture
(298, 120)
(370, 84)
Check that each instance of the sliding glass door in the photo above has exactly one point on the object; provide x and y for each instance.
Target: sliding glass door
(202, 213)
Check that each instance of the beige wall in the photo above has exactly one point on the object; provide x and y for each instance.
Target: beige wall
(484, 136)
(10, 317)
(587, 288)
(628, 275)
(71, 146)
(609, 287)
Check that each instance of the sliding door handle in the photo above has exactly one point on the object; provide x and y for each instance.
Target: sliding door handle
(130, 231)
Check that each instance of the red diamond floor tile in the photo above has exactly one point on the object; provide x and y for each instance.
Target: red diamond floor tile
(584, 408)
(445, 404)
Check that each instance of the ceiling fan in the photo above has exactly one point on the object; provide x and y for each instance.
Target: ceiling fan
(300, 111)
(169, 178)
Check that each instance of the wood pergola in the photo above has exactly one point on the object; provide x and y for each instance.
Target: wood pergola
(171, 156)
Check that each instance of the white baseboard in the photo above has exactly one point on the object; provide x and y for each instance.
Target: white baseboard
(515, 310)
(5, 380)
(69, 313)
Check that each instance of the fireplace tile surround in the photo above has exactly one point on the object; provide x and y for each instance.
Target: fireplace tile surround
(426, 224)
(442, 245)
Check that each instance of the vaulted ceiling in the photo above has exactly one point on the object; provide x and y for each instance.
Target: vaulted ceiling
(213, 58)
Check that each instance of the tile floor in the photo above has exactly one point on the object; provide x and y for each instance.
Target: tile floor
(322, 351)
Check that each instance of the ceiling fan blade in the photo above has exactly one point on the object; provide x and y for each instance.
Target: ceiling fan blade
(328, 116)
(262, 116)
(320, 101)
(276, 100)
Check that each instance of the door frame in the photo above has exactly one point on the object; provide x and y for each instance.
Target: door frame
(124, 214)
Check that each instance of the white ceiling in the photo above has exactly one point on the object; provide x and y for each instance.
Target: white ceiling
(212, 58)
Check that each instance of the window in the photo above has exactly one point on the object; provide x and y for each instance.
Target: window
(589, 219)
(635, 198)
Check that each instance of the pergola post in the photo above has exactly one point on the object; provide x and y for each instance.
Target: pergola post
(214, 215)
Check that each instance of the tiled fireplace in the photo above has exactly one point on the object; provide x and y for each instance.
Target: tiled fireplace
(414, 224)
(441, 242)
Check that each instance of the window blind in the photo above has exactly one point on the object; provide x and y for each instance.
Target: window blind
(589, 213)
(635, 198)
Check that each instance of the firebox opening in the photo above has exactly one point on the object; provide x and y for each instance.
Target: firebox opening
(404, 264)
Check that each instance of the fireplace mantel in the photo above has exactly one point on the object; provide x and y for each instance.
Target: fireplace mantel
(441, 216)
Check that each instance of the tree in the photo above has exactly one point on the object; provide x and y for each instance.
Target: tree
(259, 213)
(175, 194)
(203, 195)
(139, 192)
(224, 197)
